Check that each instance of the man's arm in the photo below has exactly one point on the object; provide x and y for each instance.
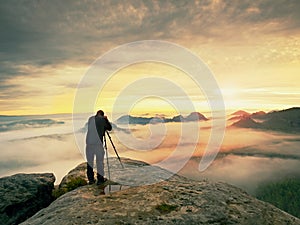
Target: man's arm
(107, 125)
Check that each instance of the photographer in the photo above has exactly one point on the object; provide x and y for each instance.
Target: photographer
(97, 125)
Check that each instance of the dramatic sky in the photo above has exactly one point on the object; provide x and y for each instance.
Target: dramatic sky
(252, 47)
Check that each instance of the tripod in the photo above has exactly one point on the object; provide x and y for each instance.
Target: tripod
(105, 146)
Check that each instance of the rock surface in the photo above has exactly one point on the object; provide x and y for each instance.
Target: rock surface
(177, 200)
(79, 171)
(22, 195)
(134, 173)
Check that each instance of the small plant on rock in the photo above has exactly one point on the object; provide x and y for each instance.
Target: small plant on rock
(71, 185)
(165, 208)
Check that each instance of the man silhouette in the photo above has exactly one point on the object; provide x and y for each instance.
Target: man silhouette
(97, 125)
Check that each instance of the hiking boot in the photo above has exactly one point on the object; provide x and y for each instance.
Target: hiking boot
(101, 181)
(91, 182)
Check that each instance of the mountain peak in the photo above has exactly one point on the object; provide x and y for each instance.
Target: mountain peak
(240, 113)
(259, 113)
(196, 116)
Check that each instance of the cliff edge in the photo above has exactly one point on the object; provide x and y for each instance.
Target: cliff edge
(22, 195)
(177, 200)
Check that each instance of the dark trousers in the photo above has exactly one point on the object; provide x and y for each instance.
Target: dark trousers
(93, 151)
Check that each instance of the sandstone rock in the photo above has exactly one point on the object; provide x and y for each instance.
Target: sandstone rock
(79, 171)
(135, 173)
(22, 195)
(177, 200)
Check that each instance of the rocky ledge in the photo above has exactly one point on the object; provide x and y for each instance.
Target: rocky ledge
(177, 200)
(22, 195)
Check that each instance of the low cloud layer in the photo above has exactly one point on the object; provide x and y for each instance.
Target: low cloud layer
(246, 158)
(246, 172)
(50, 153)
(249, 157)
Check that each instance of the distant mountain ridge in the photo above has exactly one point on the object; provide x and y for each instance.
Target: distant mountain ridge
(27, 123)
(287, 120)
(128, 119)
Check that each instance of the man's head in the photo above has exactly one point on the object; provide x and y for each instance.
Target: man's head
(100, 113)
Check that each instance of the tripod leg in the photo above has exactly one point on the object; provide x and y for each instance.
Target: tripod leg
(114, 149)
(105, 146)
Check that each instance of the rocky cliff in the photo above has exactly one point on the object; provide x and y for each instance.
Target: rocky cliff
(177, 200)
(22, 195)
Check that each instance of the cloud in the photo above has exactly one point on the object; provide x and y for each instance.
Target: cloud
(55, 33)
(246, 172)
(28, 123)
(43, 32)
(247, 157)
(50, 153)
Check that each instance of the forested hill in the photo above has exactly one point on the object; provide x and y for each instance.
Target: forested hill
(287, 120)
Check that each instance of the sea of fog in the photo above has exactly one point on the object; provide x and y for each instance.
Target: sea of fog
(50, 143)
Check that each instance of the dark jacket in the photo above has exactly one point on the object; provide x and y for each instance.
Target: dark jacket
(102, 124)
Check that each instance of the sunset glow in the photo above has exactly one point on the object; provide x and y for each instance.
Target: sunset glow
(252, 48)
(198, 97)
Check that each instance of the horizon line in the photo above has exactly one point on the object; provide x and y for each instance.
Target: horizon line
(147, 113)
